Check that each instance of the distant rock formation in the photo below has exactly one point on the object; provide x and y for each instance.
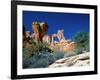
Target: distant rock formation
(37, 32)
(62, 45)
(77, 60)
(40, 35)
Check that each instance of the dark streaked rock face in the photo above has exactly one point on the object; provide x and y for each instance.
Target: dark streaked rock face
(77, 60)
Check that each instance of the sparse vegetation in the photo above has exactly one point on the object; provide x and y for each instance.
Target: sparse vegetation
(82, 40)
(40, 57)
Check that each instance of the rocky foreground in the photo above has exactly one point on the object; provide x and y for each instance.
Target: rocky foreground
(77, 60)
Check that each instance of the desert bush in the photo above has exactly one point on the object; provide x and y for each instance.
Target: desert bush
(58, 55)
(82, 40)
(27, 53)
(39, 56)
(41, 59)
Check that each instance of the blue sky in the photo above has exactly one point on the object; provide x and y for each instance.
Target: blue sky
(70, 22)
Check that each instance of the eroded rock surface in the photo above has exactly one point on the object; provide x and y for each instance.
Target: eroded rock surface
(77, 60)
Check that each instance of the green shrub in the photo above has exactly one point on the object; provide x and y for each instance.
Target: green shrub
(39, 56)
(40, 59)
(58, 55)
(82, 40)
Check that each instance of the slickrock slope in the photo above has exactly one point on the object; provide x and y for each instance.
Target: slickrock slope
(77, 60)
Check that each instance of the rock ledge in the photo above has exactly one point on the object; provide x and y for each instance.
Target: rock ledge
(77, 60)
